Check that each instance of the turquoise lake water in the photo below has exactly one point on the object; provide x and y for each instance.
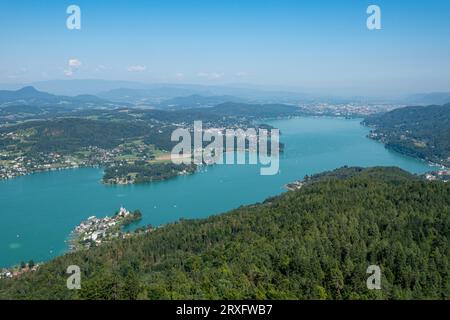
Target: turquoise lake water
(39, 211)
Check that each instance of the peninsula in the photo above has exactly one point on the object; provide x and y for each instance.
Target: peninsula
(95, 231)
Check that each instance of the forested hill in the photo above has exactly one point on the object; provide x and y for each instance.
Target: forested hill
(29, 96)
(422, 132)
(313, 243)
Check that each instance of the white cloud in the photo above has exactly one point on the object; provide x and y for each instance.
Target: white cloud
(136, 68)
(73, 66)
(179, 75)
(74, 63)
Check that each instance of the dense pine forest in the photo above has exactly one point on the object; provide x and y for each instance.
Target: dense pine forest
(313, 243)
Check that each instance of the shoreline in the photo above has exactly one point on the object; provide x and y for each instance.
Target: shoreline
(96, 231)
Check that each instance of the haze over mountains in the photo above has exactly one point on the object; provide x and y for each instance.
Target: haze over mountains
(32, 97)
(135, 91)
(194, 95)
(30, 104)
(83, 94)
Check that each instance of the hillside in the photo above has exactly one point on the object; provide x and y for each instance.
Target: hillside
(422, 132)
(68, 132)
(29, 96)
(246, 111)
(68, 135)
(314, 243)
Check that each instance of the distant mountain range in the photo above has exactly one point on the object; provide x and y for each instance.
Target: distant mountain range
(29, 96)
(170, 95)
(77, 87)
(28, 103)
(198, 95)
(31, 100)
(138, 92)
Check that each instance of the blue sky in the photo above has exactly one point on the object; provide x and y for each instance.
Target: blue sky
(315, 46)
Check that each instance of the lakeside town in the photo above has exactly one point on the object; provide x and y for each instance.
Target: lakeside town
(89, 233)
(17, 271)
(95, 231)
(350, 110)
(13, 164)
(131, 157)
(438, 175)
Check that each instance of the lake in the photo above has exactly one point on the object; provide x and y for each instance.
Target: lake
(39, 211)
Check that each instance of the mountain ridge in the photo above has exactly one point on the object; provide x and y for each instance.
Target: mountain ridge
(29, 95)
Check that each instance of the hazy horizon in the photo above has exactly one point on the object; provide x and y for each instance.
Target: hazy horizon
(73, 87)
(298, 46)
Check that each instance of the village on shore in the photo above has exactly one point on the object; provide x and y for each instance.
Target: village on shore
(439, 175)
(17, 271)
(95, 231)
(89, 233)
(15, 164)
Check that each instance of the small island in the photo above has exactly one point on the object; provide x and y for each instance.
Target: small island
(95, 231)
